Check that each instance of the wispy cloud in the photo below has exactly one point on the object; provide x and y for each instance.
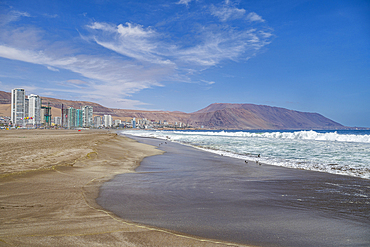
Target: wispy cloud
(52, 68)
(144, 56)
(11, 16)
(131, 40)
(226, 13)
(254, 17)
(78, 82)
(216, 43)
(113, 78)
(186, 2)
(51, 16)
(208, 82)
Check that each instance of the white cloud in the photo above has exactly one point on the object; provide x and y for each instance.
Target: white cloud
(215, 44)
(131, 40)
(254, 17)
(220, 44)
(226, 13)
(52, 68)
(78, 82)
(208, 82)
(144, 57)
(51, 16)
(186, 2)
(113, 78)
(11, 16)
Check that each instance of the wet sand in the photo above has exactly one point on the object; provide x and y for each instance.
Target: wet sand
(213, 196)
(49, 180)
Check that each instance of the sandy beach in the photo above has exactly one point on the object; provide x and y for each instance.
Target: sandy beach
(49, 180)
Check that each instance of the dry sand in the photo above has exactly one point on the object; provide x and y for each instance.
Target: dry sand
(49, 180)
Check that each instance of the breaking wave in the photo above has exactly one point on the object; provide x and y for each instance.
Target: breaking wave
(297, 135)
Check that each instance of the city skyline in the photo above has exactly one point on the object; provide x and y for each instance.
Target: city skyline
(309, 56)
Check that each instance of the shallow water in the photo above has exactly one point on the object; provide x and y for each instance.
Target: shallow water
(213, 196)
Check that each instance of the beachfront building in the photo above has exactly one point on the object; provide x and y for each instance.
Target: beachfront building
(26, 109)
(117, 122)
(107, 121)
(46, 115)
(79, 118)
(133, 123)
(18, 106)
(58, 121)
(71, 122)
(97, 122)
(64, 117)
(74, 118)
(87, 116)
(34, 110)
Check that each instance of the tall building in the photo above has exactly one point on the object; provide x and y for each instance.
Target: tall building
(107, 121)
(133, 123)
(87, 116)
(26, 108)
(79, 118)
(34, 111)
(46, 115)
(71, 117)
(64, 118)
(57, 120)
(97, 121)
(18, 106)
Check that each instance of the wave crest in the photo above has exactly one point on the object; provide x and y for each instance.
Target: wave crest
(297, 135)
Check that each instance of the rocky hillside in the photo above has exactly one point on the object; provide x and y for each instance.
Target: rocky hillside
(214, 116)
(249, 116)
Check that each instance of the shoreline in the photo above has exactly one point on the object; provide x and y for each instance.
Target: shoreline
(225, 198)
(48, 190)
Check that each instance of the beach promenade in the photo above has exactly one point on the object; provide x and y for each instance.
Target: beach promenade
(49, 180)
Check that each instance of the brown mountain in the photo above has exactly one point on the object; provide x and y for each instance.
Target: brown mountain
(214, 116)
(249, 116)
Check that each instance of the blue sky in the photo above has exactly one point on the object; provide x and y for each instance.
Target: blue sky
(183, 55)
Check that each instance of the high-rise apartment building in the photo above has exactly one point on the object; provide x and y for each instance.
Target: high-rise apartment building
(45, 115)
(64, 118)
(18, 106)
(71, 117)
(97, 121)
(87, 117)
(107, 121)
(34, 111)
(79, 118)
(26, 108)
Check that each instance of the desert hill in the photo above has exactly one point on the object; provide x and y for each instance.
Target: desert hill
(249, 116)
(214, 116)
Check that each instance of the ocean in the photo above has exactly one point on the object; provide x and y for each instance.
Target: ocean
(344, 152)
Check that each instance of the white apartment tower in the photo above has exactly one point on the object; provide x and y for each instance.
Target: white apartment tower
(107, 121)
(97, 121)
(87, 116)
(34, 111)
(18, 107)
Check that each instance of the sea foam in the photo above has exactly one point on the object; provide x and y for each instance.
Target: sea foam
(302, 135)
(345, 153)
